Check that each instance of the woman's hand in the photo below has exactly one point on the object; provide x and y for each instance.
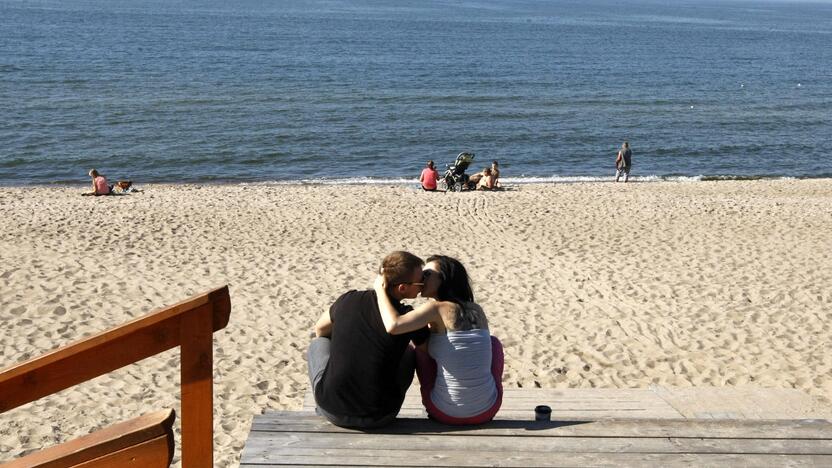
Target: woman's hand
(380, 284)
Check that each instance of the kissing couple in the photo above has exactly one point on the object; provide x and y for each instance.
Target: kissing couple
(368, 345)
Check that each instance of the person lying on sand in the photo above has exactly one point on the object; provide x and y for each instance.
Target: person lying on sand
(475, 179)
(486, 182)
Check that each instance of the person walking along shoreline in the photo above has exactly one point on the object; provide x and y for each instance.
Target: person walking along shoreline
(623, 162)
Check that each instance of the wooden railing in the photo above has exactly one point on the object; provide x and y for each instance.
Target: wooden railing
(189, 324)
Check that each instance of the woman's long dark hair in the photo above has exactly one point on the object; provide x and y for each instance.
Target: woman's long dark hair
(455, 285)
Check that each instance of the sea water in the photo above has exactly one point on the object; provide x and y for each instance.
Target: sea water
(366, 91)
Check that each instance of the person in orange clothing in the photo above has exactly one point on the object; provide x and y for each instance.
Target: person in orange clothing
(429, 177)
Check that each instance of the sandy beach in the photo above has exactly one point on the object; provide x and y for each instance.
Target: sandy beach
(587, 284)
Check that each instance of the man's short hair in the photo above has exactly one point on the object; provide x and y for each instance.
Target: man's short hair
(399, 265)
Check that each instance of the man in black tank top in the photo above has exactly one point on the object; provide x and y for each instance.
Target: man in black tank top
(623, 162)
(358, 371)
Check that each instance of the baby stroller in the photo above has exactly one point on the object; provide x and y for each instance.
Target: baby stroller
(455, 177)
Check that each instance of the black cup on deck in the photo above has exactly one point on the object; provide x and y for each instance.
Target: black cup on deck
(542, 413)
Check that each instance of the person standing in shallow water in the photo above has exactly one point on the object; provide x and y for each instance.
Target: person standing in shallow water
(623, 162)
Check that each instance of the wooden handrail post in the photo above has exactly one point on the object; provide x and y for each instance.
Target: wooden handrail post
(197, 374)
(188, 324)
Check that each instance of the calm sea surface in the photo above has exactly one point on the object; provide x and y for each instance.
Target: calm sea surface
(367, 91)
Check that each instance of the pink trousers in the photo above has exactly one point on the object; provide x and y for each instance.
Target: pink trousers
(426, 371)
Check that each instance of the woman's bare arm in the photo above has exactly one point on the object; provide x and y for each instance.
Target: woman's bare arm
(396, 324)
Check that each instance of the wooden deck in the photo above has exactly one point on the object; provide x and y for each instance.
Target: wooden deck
(655, 402)
(608, 427)
(519, 403)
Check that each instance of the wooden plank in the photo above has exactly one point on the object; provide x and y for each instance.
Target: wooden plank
(197, 390)
(113, 438)
(303, 439)
(489, 459)
(770, 429)
(561, 413)
(274, 445)
(151, 454)
(519, 403)
(521, 399)
(102, 353)
(743, 402)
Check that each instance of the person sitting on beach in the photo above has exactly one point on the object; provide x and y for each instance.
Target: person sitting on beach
(474, 180)
(461, 371)
(486, 182)
(495, 173)
(360, 373)
(429, 177)
(623, 162)
(99, 184)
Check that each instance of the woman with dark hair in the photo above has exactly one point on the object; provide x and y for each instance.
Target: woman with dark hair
(461, 370)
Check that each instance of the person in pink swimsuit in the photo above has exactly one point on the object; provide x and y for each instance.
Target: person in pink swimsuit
(99, 184)
(429, 177)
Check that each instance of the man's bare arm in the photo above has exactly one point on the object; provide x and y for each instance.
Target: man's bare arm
(324, 325)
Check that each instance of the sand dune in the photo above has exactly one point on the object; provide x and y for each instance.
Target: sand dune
(588, 285)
